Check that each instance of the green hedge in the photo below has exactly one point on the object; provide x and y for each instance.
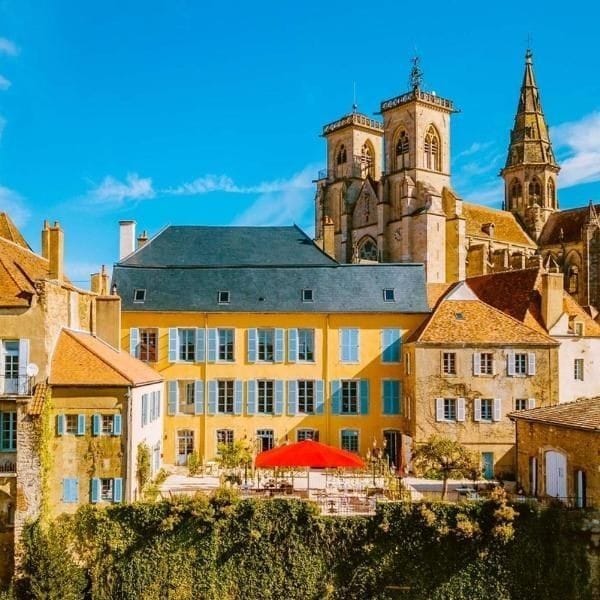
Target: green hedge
(221, 548)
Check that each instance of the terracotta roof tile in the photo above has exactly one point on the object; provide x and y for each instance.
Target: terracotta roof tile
(9, 231)
(436, 291)
(474, 322)
(39, 397)
(582, 414)
(506, 227)
(84, 360)
(566, 226)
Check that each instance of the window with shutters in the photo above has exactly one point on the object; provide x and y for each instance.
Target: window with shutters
(350, 440)
(391, 396)
(449, 363)
(107, 424)
(187, 344)
(266, 344)
(520, 403)
(306, 345)
(307, 434)
(266, 439)
(187, 397)
(8, 431)
(487, 409)
(306, 397)
(11, 366)
(225, 397)
(391, 342)
(350, 397)
(225, 344)
(225, 436)
(147, 345)
(578, 369)
(106, 490)
(486, 364)
(71, 424)
(349, 345)
(449, 409)
(520, 363)
(264, 400)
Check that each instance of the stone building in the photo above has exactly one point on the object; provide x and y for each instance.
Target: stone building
(558, 452)
(386, 196)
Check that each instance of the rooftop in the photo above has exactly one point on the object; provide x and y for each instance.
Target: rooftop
(416, 94)
(582, 414)
(566, 226)
(353, 118)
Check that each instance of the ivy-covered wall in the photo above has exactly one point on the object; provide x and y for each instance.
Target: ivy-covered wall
(221, 549)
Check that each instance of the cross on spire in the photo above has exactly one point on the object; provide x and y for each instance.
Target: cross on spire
(416, 74)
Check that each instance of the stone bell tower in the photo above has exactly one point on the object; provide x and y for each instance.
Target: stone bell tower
(531, 170)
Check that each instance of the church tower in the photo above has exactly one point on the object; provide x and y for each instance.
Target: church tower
(531, 170)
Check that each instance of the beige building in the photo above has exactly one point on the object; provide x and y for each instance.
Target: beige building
(468, 366)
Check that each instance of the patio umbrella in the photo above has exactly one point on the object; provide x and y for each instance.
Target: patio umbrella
(308, 453)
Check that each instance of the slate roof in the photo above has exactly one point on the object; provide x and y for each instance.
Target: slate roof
(566, 226)
(191, 246)
(336, 288)
(582, 414)
(506, 227)
(81, 359)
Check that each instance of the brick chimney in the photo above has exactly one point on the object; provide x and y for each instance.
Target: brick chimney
(108, 320)
(126, 238)
(56, 252)
(552, 298)
(142, 239)
(329, 236)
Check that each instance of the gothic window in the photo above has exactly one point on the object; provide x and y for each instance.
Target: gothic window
(368, 250)
(366, 160)
(535, 192)
(402, 148)
(551, 194)
(341, 156)
(432, 150)
(516, 193)
(573, 280)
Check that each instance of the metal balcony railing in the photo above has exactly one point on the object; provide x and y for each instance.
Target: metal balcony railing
(8, 464)
(22, 385)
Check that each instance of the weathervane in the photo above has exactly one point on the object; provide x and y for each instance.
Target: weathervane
(416, 74)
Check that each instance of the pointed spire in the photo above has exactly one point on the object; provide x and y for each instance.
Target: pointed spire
(529, 141)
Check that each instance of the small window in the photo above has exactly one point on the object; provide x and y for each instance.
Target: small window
(520, 403)
(107, 424)
(449, 409)
(225, 436)
(449, 363)
(578, 328)
(307, 434)
(139, 295)
(71, 424)
(308, 295)
(106, 492)
(223, 297)
(459, 316)
(389, 295)
(520, 364)
(487, 409)
(578, 369)
(487, 363)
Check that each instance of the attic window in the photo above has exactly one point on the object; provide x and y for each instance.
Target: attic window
(308, 295)
(459, 316)
(578, 328)
(139, 295)
(389, 295)
(223, 297)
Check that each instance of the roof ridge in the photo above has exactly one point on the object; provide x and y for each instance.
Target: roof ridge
(20, 247)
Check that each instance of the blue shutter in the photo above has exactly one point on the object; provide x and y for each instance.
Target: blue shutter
(385, 386)
(70, 491)
(144, 409)
(391, 342)
(60, 424)
(364, 396)
(199, 397)
(279, 396)
(252, 345)
(172, 345)
(211, 354)
(212, 396)
(96, 424)
(336, 397)
(391, 397)
(354, 345)
(199, 350)
(117, 489)
(279, 354)
(134, 341)
(117, 427)
(319, 396)
(95, 490)
(172, 393)
(80, 424)
(292, 397)
(344, 345)
(158, 402)
(251, 398)
(292, 345)
(238, 395)
(399, 407)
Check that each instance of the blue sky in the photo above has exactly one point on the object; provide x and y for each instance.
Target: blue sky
(208, 112)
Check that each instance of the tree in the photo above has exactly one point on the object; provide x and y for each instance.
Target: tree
(447, 457)
(234, 456)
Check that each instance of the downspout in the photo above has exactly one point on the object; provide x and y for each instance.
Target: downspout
(204, 416)
(326, 405)
(129, 450)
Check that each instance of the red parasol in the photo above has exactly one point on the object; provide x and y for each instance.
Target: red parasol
(308, 454)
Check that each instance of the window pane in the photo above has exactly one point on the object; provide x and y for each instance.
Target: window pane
(350, 440)
(265, 397)
(225, 337)
(350, 397)
(265, 344)
(306, 343)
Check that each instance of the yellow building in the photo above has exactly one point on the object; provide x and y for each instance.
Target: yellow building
(260, 335)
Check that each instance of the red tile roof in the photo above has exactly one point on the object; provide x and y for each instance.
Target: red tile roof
(582, 414)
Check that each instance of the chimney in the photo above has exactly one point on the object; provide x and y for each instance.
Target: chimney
(142, 239)
(126, 238)
(45, 241)
(108, 320)
(552, 298)
(56, 252)
(329, 236)
(99, 282)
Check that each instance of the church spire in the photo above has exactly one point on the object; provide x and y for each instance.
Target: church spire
(530, 171)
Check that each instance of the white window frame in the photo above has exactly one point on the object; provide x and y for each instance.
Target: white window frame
(578, 369)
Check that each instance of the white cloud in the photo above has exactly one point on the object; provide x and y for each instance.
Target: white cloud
(113, 193)
(4, 83)
(14, 204)
(8, 47)
(474, 148)
(581, 142)
(490, 194)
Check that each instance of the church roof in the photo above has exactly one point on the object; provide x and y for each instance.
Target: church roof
(506, 227)
(566, 226)
(582, 414)
(198, 246)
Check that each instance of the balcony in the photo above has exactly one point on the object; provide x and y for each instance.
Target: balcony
(22, 385)
(8, 463)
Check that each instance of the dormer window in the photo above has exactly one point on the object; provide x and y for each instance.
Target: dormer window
(389, 295)
(578, 328)
(223, 297)
(139, 296)
(459, 316)
(308, 295)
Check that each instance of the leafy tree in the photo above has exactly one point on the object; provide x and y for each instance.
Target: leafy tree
(234, 457)
(447, 457)
(143, 465)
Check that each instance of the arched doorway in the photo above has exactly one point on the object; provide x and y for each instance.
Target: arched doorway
(556, 474)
